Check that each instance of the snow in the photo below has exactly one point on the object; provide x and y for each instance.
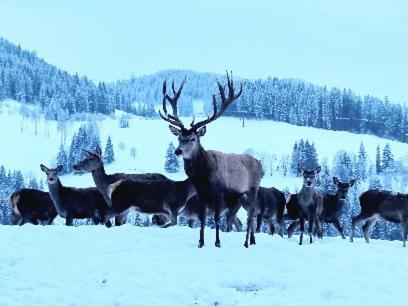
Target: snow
(25, 150)
(93, 265)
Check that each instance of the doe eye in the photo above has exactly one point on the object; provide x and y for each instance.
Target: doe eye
(192, 139)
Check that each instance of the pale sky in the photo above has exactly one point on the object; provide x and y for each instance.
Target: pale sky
(362, 45)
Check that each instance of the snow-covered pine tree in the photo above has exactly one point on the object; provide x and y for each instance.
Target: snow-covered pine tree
(33, 184)
(171, 164)
(294, 160)
(378, 160)
(387, 160)
(62, 159)
(109, 155)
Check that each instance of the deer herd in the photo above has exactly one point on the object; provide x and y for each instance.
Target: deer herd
(217, 184)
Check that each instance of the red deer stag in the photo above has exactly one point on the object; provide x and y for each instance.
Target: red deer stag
(222, 180)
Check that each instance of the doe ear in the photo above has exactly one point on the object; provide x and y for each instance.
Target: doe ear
(174, 130)
(98, 151)
(335, 180)
(43, 168)
(201, 131)
(352, 182)
(299, 168)
(318, 169)
(59, 168)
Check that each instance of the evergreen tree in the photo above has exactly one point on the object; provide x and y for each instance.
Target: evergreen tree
(62, 159)
(378, 160)
(109, 155)
(171, 164)
(387, 160)
(17, 181)
(294, 161)
(33, 184)
(361, 164)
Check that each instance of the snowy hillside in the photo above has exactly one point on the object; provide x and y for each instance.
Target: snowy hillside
(57, 265)
(24, 150)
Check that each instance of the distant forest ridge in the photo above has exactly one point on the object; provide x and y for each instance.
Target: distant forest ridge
(28, 79)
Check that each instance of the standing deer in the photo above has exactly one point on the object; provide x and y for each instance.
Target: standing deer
(381, 204)
(75, 203)
(271, 204)
(333, 205)
(93, 163)
(162, 197)
(221, 180)
(192, 211)
(34, 206)
(310, 203)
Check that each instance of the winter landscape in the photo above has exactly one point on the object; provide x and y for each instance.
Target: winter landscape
(304, 130)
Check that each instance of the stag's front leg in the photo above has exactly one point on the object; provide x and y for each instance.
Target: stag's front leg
(217, 218)
(250, 237)
(203, 219)
(69, 220)
(293, 227)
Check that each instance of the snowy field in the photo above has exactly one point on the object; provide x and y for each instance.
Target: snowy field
(93, 265)
(25, 150)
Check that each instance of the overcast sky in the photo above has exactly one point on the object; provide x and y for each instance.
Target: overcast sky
(362, 45)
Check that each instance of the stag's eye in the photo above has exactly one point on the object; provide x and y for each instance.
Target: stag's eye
(192, 139)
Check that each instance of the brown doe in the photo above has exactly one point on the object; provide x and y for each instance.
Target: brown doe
(222, 180)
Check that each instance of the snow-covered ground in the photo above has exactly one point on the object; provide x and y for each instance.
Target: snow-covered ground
(24, 150)
(93, 265)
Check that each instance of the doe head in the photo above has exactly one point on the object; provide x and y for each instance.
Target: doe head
(309, 176)
(342, 188)
(92, 161)
(52, 173)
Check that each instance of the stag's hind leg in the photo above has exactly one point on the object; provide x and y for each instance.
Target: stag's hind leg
(302, 229)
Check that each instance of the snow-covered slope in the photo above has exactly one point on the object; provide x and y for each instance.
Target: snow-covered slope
(57, 265)
(22, 149)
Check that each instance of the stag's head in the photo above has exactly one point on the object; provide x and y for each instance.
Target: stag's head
(309, 176)
(92, 161)
(52, 173)
(342, 188)
(189, 138)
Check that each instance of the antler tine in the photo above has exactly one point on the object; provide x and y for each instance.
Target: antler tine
(225, 102)
(173, 119)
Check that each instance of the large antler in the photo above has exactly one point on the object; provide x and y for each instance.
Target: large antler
(173, 119)
(225, 102)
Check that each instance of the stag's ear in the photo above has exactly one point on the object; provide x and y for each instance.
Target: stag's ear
(59, 168)
(318, 169)
(335, 180)
(174, 130)
(352, 182)
(201, 132)
(300, 169)
(98, 151)
(43, 168)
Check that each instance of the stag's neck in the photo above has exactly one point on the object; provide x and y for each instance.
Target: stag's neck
(338, 199)
(307, 191)
(56, 191)
(198, 167)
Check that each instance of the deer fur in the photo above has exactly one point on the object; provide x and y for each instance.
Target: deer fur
(381, 204)
(93, 163)
(164, 197)
(34, 206)
(75, 203)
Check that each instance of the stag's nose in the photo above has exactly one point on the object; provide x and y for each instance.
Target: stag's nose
(178, 151)
(75, 167)
(309, 184)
